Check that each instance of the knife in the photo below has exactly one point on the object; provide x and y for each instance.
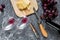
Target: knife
(34, 30)
(41, 27)
(54, 25)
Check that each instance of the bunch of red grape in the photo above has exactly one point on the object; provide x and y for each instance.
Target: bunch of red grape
(50, 10)
(2, 6)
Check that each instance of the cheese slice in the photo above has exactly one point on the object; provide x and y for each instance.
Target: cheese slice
(23, 4)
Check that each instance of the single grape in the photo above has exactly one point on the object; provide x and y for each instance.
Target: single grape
(50, 15)
(11, 21)
(3, 5)
(48, 1)
(1, 8)
(45, 5)
(42, 17)
(24, 20)
(56, 14)
(49, 11)
(53, 11)
(45, 14)
(45, 8)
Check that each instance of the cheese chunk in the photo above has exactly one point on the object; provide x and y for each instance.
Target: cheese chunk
(23, 4)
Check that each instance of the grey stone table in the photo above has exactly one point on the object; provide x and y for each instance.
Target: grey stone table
(27, 33)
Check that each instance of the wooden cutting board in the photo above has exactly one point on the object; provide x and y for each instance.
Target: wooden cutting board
(26, 12)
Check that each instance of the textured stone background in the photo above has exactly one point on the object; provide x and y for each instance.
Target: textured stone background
(27, 33)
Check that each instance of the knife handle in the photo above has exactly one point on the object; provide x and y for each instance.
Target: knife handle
(43, 31)
(34, 30)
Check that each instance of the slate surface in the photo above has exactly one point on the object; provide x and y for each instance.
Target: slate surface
(27, 33)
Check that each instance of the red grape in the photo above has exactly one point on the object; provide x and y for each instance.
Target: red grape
(56, 14)
(45, 4)
(50, 15)
(24, 20)
(48, 1)
(53, 11)
(49, 11)
(42, 17)
(1, 8)
(44, 14)
(3, 5)
(11, 21)
(45, 8)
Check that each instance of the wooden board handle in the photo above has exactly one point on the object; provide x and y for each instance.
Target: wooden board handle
(43, 31)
